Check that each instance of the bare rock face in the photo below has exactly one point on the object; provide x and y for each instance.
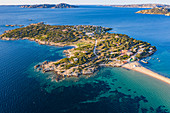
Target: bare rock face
(168, 14)
(45, 62)
(36, 66)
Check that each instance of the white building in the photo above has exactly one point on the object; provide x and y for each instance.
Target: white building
(75, 59)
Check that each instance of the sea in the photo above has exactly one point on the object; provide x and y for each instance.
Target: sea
(109, 90)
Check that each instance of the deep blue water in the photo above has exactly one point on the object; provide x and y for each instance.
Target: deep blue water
(23, 90)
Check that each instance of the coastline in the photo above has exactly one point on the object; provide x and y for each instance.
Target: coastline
(136, 66)
(155, 11)
(41, 42)
(89, 61)
(109, 89)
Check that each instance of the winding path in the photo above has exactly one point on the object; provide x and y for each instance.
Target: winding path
(94, 51)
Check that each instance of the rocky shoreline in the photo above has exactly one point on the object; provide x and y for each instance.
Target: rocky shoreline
(158, 11)
(37, 40)
(50, 67)
(94, 47)
(71, 72)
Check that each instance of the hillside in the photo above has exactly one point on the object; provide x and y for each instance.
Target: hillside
(61, 5)
(142, 5)
(162, 11)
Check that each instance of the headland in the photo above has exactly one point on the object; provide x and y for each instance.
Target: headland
(142, 6)
(52, 6)
(158, 11)
(93, 45)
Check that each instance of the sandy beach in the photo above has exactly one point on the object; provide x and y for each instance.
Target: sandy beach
(136, 66)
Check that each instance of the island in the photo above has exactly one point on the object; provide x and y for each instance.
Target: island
(53, 6)
(93, 47)
(142, 6)
(160, 11)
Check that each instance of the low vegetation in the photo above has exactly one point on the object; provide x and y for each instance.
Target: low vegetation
(94, 46)
(157, 10)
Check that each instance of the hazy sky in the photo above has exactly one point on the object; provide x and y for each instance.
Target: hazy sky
(76, 2)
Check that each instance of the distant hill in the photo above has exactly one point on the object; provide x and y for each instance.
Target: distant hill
(61, 5)
(162, 11)
(142, 6)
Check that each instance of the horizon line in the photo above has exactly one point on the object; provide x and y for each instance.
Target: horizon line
(85, 4)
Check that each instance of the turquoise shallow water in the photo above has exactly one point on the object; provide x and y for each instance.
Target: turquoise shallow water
(23, 90)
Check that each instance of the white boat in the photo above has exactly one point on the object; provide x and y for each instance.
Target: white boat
(144, 61)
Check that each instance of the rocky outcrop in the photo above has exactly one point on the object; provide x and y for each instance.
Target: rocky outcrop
(60, 71)
(36, 66)
(161, 11)
(168, 14)
(88, 71)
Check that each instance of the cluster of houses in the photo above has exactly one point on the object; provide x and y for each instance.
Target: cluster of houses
(133, 52)
(89, 30)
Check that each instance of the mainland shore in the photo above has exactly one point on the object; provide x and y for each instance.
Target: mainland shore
(136, 66)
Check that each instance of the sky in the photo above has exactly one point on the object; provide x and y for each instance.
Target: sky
(82, 2)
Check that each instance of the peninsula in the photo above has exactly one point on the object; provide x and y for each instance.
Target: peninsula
(93, 47)
(142, 6)
(53, 6)
(160, 11)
